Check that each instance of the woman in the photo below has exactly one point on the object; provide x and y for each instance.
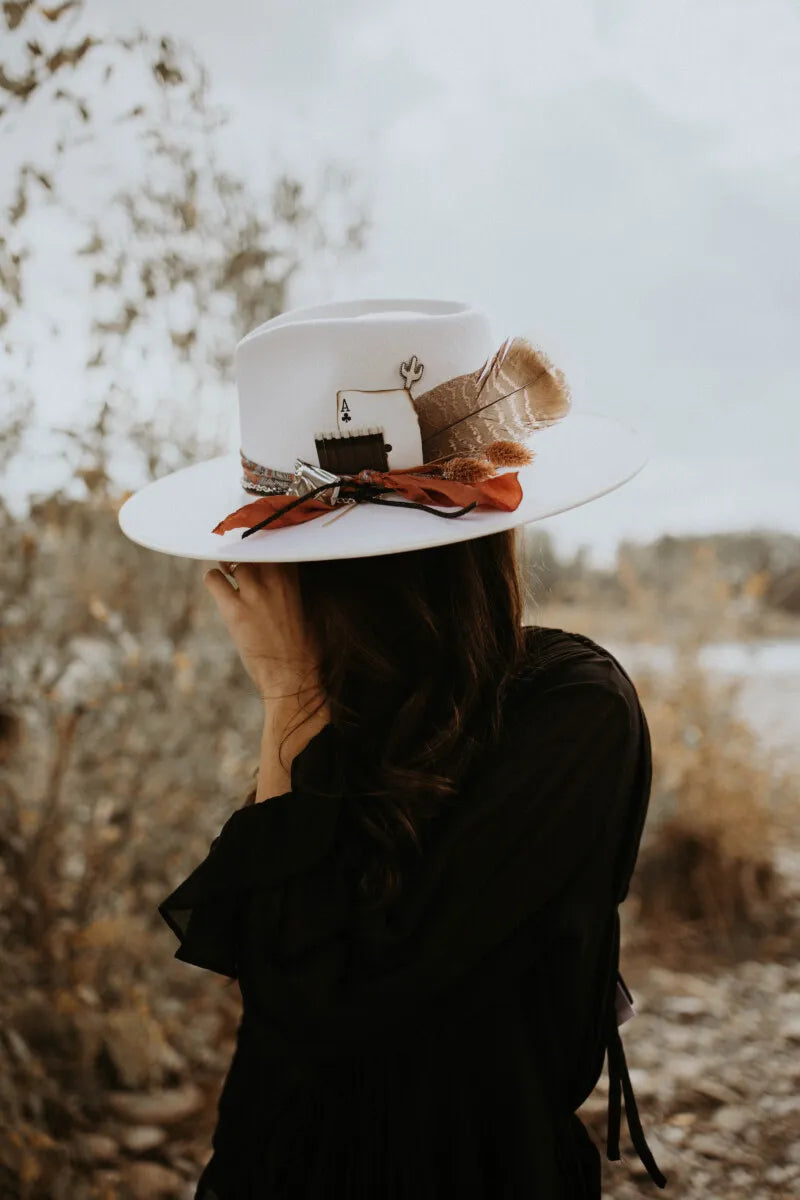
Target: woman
(419, 896)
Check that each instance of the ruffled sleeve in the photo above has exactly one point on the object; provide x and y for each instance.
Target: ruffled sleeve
(259, 847)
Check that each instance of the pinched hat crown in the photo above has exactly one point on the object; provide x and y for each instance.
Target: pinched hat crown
(338, 368)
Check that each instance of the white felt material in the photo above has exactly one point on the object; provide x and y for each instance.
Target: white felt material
(290, 372)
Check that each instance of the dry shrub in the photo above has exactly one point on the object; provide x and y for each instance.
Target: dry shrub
(706, 882)
(706, 879)
(128, 730)
(706, 873)
(128, 733)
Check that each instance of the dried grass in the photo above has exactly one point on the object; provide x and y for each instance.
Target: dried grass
(706, 884)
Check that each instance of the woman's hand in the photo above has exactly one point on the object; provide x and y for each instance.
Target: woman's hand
(265, 620)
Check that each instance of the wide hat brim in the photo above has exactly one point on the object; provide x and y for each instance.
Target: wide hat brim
(579, 459)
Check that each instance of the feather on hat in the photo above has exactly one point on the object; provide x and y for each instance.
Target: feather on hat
(515, 392)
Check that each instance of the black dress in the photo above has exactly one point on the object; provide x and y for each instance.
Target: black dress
(440, 1048)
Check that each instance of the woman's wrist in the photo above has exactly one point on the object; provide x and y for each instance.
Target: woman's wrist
(287, 687)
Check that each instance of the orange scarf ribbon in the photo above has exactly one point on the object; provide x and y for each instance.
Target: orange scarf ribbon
(500, 492)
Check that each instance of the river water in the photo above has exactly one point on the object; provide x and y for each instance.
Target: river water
(768, 671)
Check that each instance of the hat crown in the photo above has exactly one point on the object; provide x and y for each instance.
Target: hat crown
(339, 367)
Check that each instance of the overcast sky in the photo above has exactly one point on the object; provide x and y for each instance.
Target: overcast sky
(618, 181)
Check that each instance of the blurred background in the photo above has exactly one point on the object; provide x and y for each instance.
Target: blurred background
(617, 182)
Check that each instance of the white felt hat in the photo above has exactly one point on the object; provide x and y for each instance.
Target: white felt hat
(338, 378)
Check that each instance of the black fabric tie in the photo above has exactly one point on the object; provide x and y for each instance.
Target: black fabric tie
(362, 493)
(619, 1080)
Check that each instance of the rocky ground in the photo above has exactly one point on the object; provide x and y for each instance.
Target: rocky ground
(714, 1058)
(715, 1065)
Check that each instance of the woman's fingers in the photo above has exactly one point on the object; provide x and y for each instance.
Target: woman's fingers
(253, 577)
(265, 620)
(219, 587)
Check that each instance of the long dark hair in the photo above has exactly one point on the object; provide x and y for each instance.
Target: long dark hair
(415, 652)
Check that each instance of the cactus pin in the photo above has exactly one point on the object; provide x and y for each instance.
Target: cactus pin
(411, 371)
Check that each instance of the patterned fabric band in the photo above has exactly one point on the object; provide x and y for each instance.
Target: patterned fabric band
(264, 480)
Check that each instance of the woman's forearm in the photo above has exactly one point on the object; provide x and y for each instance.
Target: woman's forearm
(274, 777)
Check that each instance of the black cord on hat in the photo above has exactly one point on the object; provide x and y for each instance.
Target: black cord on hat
(362, 493)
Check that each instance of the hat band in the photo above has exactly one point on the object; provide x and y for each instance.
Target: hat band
(264, 480)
